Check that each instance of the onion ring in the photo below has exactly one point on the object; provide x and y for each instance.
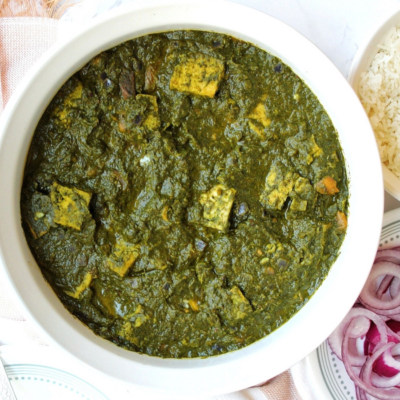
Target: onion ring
(368, 294)
(388, 255)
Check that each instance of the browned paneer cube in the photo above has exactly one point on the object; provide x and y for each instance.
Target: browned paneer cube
(341, 221)
(326, 185)
(198, 74)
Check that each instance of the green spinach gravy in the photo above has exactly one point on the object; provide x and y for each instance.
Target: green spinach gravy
(185, 194)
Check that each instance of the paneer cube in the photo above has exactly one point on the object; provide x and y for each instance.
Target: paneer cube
(257, 128)
(70, 206)
(305, 146)
(76, 294)
(240, 307)
(217, 206)
(123, 257)
(298, 205)
(278, 185)
(151, 118)
(313, 150)
(259, 114)
(198, 74)
(302, 195)
(127, 332)
(304, 188)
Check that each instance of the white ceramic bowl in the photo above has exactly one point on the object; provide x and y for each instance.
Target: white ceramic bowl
(315, 321)
(361, 62)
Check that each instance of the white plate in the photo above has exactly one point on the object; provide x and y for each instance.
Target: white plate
(35, 373)
(327, 374)
(43, 373)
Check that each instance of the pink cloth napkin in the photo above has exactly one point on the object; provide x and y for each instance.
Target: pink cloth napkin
(23, 40)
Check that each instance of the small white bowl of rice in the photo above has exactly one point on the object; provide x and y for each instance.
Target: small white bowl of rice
(375, 76)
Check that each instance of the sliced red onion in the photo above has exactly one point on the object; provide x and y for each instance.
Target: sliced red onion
(384, 286)
(384, 382)
(365, 383)
(367, 396)
(368, 294)
(360, 394)
(391, 255)
(366, 375)
(376, 328)
(357, 370)
(394, 288)
(373, 338)
(394, 337)
(358, 329)
(387, 366)
(381, 312)
(395, 317)
(394, 325)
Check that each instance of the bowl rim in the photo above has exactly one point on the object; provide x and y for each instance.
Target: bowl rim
(250, 365)
(362, 59)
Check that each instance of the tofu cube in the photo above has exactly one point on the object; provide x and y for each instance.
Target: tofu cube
(198, 74)
(217, 206)
(70, 206)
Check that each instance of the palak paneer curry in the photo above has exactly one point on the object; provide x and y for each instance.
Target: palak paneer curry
(185, 194)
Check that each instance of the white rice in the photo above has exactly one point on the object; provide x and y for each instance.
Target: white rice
(379, 92)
